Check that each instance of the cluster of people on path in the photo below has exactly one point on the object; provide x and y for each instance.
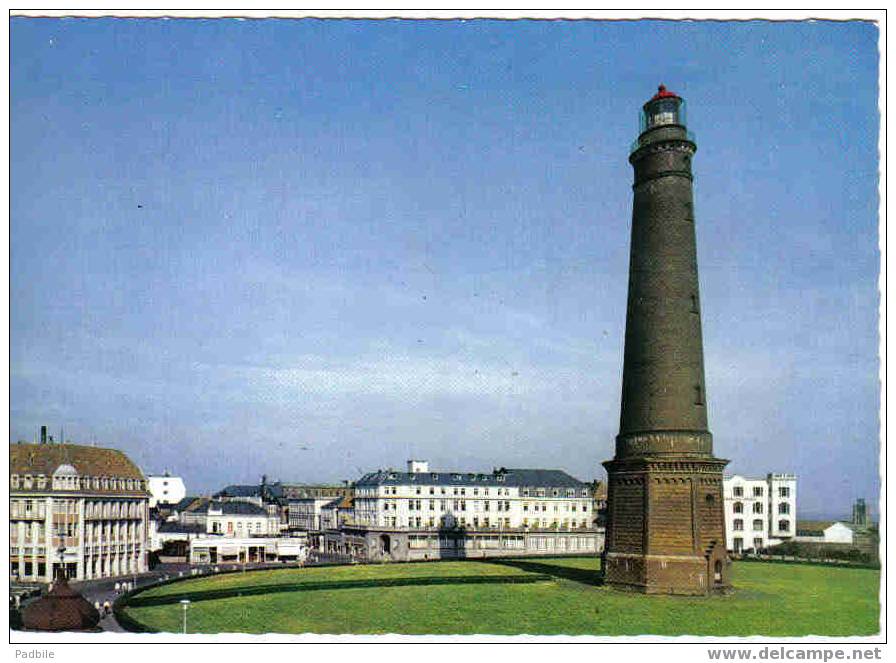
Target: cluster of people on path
(105, 609)
(122, 587)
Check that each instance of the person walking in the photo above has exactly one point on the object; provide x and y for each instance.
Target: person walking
(107, 608)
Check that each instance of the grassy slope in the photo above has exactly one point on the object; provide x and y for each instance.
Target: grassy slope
(545, 596)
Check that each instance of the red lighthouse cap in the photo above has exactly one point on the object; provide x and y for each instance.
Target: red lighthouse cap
(662, 92)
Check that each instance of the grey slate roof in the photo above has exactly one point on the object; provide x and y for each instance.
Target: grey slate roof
(273, 490)
(179, 528)
(232, 508)
(202, 505)
(512, 477)
(184, 503)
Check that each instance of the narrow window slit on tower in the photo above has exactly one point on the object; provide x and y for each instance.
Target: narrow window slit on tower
(694, 308)
(699, 396)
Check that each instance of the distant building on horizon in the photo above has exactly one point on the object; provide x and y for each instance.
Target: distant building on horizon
(759, 513)
(860, 514)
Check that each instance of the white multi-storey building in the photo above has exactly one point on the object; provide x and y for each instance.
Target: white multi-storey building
(165, 489)
(759, 513)
(423, 514)
(503, 499)
(75, 510)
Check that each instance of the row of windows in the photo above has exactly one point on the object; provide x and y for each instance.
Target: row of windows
(456, 477)
(475, 521)
(758, 491)
(217, 527)
(37, 508)
(112, 510)
(759, 525)
(35, 530)
(783, 507)
(483, 505)
(456, 490)
(29, 482)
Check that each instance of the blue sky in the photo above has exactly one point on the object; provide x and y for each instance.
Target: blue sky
(309, 249)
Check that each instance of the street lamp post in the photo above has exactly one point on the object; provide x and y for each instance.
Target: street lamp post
(62, 573)
(185, 603)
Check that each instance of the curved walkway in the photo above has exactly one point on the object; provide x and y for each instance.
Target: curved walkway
(103, 589)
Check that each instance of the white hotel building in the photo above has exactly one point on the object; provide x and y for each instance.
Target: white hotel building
(503, 499)
(424, 514)
(759, 513)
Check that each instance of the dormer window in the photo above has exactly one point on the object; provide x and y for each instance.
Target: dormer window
(435, 476)
(501, 477)
(41, 481)
(26, 482)
(14, 480)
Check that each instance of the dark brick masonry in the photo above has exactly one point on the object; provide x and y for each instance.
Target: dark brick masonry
(665, 530)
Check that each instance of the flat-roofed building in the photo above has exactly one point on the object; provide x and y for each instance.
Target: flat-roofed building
(76, 510)
(223, 550)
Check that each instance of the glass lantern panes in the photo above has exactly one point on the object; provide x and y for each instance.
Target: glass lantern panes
(664, 111)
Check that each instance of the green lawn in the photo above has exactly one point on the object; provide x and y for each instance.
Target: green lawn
(535, 596)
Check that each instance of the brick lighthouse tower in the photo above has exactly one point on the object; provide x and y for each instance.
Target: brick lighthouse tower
(665, 529)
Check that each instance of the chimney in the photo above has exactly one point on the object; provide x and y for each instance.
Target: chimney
(43, 434)
(417, 466)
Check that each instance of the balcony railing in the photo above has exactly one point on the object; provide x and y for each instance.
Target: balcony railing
(636, 144)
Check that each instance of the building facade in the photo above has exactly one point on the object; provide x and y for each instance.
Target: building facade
(502, 499)
(824, 532)
(423, 514)
(230, 519)
(306, 504)
(221, 550)
(665, 520)
(759, 513)
(75, 510)
(165, 489)
(270, 496)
